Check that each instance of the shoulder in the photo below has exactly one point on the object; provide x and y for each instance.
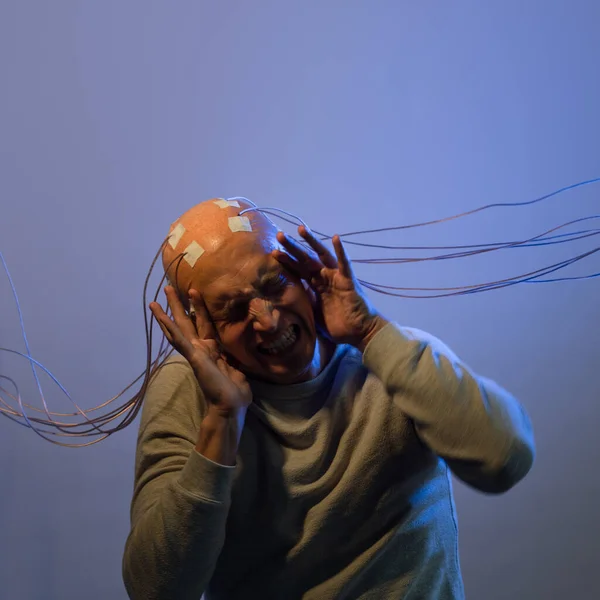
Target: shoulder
(433, 342)
(174, 371)
(390, 337)
(173, 394)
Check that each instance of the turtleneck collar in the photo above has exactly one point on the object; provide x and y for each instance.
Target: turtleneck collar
(298, 398)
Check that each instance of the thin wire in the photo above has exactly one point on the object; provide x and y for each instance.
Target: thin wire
(243, 200)
(26, 341)
(487, 245)
(477, 210)
(529, 242)
(129, 409)
(461, 290)
(97, 427)
(273, 211)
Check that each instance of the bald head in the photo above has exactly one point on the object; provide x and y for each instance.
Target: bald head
(261, 311)
(208, 234)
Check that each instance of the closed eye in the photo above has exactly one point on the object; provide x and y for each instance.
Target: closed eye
(272, 287)
(235, 311)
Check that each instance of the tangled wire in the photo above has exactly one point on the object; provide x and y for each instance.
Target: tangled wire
(93, 425)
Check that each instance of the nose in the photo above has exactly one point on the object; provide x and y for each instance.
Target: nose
(266, 317)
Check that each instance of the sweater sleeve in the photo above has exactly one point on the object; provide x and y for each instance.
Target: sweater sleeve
(478, 428)
(181, 499)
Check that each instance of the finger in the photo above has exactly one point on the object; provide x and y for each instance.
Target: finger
(308, 260)
(162, 319)
(299, 269)
(344, 264)
(171, 330)
(180, 317)
(288, 262)
(323, 252)
(166, 332)
(205, 328)
(222, 366)
(159, 314)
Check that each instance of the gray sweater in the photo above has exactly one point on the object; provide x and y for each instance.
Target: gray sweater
(341, 488)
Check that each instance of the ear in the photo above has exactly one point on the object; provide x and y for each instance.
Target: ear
(191, 312)
(310, 293)
(317, 312)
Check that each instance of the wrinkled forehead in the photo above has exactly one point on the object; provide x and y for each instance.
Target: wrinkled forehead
(213, 239)
(237, 269)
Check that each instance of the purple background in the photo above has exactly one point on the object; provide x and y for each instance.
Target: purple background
(116, 116)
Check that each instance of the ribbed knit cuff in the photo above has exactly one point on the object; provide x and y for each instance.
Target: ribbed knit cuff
(206, 479)
(385, 344)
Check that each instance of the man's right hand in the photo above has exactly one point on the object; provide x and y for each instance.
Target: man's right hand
(226, 389)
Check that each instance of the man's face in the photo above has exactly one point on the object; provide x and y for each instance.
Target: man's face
(262, 314)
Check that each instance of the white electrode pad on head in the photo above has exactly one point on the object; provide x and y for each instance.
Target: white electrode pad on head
(192, 253)
(176, 235)
(239, 224)
(222, 203)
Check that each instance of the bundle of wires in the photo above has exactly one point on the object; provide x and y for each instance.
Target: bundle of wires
(84, 427)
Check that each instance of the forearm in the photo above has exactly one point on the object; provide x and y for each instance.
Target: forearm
(181, 498)
(478, 427)
(176, 540)
(219, 436)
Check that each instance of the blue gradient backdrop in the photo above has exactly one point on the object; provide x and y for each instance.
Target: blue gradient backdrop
(116, 116)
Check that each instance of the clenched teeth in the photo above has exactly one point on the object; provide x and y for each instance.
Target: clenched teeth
(284, 341)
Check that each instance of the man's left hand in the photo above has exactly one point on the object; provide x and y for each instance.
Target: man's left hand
(341, 307)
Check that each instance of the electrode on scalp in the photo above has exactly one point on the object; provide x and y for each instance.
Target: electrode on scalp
(192, 253)
(176, 236)
(222, 203)
(239, 224)
(89, 427)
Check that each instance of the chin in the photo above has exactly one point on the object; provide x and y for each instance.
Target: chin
(293, 365)
(295, 371)
(285, 375)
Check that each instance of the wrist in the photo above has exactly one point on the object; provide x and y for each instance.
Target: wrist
(220, 433)
(221, 420)
(373, 327)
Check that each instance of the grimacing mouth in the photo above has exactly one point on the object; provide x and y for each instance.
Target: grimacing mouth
(284, 341)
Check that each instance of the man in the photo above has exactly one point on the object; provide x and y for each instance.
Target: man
(300, 446)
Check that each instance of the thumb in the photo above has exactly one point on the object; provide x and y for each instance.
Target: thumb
(315, 302)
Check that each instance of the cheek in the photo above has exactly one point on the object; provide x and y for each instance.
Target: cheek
(301, 304)
(233, 340)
